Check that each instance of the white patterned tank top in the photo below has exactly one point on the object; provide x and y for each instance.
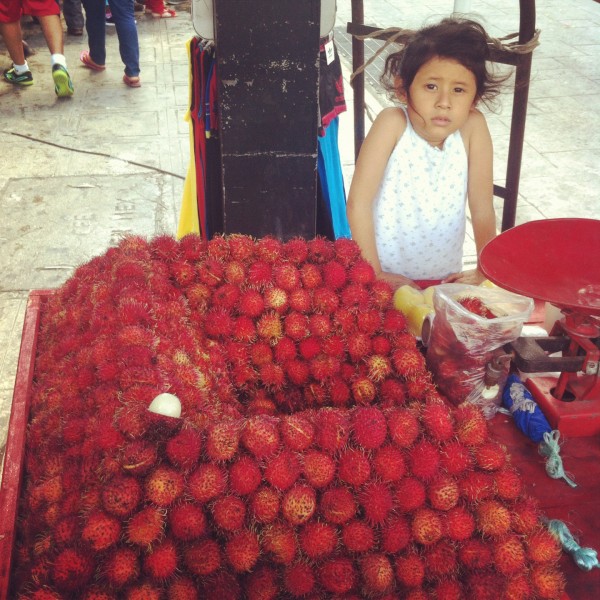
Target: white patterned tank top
(419, 210)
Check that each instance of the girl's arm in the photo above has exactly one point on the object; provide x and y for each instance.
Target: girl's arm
(480, 190)
(368, 173)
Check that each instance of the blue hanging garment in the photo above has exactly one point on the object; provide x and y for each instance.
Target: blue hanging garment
(527, 415)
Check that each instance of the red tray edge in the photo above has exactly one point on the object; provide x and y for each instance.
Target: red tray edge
(17, 426)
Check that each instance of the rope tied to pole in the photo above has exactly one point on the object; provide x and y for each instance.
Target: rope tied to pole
(401, 36)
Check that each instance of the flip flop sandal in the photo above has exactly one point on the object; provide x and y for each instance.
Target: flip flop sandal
(133, 82)
(87, 61)
(165, 14)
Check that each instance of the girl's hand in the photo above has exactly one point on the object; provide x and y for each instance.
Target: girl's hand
(397, 281)
(470, 277)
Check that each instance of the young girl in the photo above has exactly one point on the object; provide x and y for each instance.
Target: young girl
(422, 160)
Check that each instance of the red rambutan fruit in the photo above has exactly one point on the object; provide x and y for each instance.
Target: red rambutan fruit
(251, 303)
(547, 581)
(337, 575)
(235, 272)
(229, 513)
(260, 436)
(509, 555)
(244, 475)
(241, 247)
(525, 516)
(403, 427)
(187, 521)
(542, 546)
(359, 346)
(121, 495)
(311, 276)
(493, 518)
(207, 482)
(319, 468)
(121, 567)
(242, 550)
(389, 464)
(261, 353)
(183, 273)
(319, 325)
(337, 505)
(490, 456)
(145, 527)
(427, 526)
(474, 554)
(409, 494)
(164, 486)
(165, 247)
(309, 347)
(378, 367)
(269, 326)
(268, 248)
(218, 247)
(455, 458)
(355, 296)
(354, 467)
(279, 543)
(272, 376)
(198, 295)
(101, 531)
(265, 504)
(161, 561)
(283, 470)
(332, 429)
(392, 392)
(218, 323)
(471, 426)
(460, 523)
(476, 486)
(363, 390)
(334, 274)
(317, 540)
(286, 276)
(339, 391)
(183, 449)
(443, 493)
(261, 584)
(320, 250)
(259, 274)
(299, 579)
(410, 569)
(437, 418)
(284, 350)
(440, 559)
(325, 300)
(243, 329)
(202, 557)
(297, 431)
(297, 371)
(377, 573)
(182, 588)
(295, 325)
(377, 502)
(300, 300)
(369, 427)
(508, 484)
(448, 589)
(424, 460)
(358, 536)
(299, 504)
(276, 299)
(222, 440)
(408, 362)
(72, 569)
(296, 250)
(395, 535)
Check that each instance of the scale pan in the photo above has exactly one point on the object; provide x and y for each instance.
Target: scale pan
(555, 260)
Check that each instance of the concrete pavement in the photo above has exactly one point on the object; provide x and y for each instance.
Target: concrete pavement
(77, 174)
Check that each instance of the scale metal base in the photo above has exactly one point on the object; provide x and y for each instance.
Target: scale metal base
(579, 418)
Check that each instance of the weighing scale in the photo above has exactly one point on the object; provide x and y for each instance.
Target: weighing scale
(556, 261)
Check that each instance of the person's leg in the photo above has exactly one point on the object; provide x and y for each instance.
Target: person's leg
(13, 38)
(73, 14)
(122, 11)
(96, 29)
(52, 30)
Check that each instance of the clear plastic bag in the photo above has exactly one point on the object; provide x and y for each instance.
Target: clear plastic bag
(462, 343)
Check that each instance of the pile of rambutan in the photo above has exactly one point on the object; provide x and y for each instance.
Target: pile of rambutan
(314, 456)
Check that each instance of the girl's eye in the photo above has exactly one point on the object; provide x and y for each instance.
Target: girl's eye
(459, 90)
(431, 86)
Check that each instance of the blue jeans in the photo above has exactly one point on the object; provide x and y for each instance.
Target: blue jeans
(95, 24)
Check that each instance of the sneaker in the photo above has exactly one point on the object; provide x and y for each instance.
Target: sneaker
(63, 86)
(23, 79)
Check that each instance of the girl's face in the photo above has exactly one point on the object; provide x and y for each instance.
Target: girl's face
(440, 99)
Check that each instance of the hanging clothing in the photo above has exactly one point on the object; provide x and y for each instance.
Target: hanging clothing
(332, 221)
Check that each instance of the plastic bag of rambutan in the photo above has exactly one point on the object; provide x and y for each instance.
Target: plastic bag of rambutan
(471, 323)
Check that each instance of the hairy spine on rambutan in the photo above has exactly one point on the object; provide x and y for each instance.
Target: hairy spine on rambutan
(283, 470)
(409, 494)
(279, 543)
(229, 513)
(338, 575)
(299, 579)
(354, 467)
(389, 464)
(161, 561)
(297, 431)
(121, 567)
(493, 518)
(440, 559)
(410, 568)
(358, 536)
(187, 521)
(101, 531)
(317, 540)
(460, 523)
(443, 493)
(207, 482)
(299, 503)
(337, 505)
(242, 550)
(164, 486)
(543, 546)
(332, 429)
(202, 557)
(244, 475)
(265, 504)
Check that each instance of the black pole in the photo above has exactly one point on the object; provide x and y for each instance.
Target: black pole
(358, 83)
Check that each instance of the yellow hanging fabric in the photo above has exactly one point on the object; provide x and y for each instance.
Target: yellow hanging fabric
(188, 215)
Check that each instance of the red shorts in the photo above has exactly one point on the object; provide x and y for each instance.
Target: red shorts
(11, 10)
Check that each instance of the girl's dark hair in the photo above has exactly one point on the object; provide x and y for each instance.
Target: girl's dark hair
(460, 39)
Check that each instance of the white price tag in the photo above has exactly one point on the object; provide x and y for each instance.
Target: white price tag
(329, 52)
